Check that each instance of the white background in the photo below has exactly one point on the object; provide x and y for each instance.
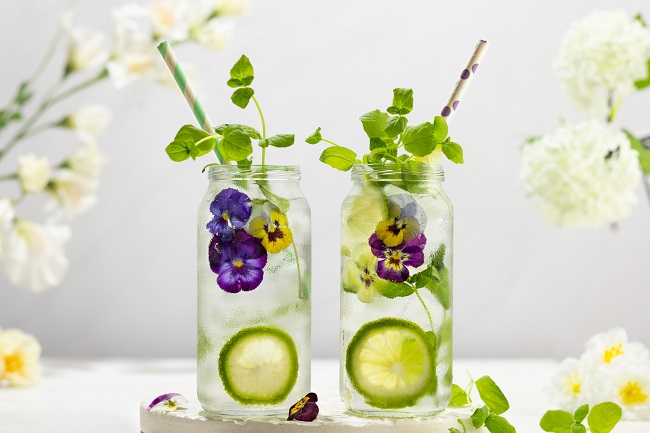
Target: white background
(522, 287)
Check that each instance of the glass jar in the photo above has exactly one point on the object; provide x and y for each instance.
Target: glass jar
(396, 315)
(254, 290)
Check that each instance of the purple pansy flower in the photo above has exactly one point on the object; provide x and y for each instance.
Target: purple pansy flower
(239, 263)
(305, 409)
(393, 261)
(231, 210)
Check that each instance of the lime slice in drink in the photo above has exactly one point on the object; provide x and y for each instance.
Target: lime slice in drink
(390, 363)
(259, 365)
(364, 211)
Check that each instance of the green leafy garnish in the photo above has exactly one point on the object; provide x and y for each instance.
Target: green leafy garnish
(388, 133)
(233, 141)
(644, 152)
(602, 418)
(488, 415)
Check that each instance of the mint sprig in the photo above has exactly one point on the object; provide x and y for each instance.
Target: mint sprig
(488, 415)
(391, 139)
(602, 418)
(233, 141)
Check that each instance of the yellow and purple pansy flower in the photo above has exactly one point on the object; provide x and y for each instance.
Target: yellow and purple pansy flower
(406, 221)
(238, 263)
(393, 261)
(360, 275)
(231, 210)
(272, 228)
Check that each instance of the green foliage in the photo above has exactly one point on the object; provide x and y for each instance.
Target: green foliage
(402, 101)
(458, 396)
(644, 152)
(395, 126)
(602, 418)
(453, 152)
(435, 278)
(235, 145)
(492, 395)
(190, 142)
(338, 157)
(250, 131)
(396, 290)
(479, 416)
(280, 140)
(315, 138)
(242, 96)
(498, 424)
(13, 112)
(374, 123)
(642, 84)
(242, 73)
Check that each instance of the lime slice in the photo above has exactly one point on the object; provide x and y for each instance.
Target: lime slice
(390, 363)
(364, 211)
(259, 365)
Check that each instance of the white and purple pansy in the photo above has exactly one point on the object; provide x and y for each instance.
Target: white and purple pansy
(168, 403)
(231, 210)
(393, 261)
(238, 263)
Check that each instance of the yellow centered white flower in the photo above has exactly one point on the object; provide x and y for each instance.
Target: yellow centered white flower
(33, 256)
(19, 358)
(582, 175)
(567, 387)
(214, 34)
(72, 193)
(33, 173)
(627, 384)
(612, 347)
(87, 49)
(86, 161)
(606, 51)
(89, 122)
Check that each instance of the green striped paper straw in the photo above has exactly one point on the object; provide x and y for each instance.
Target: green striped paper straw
(193, 101)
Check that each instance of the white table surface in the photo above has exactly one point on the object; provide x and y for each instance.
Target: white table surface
(102, 396)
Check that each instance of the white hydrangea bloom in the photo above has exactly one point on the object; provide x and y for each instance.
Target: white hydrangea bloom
(606, 51)
(582, 175)
(87, 49)
(71, 193)
(33, 257)
(19, 358)
(86, 161)
(33, 173)
(628, 385)
(567, 388)
(89, 122)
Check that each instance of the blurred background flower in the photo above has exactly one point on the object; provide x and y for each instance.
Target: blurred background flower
(32, 254)
(19, 358)
(586, 174)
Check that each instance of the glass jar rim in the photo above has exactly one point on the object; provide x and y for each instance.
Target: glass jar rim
(267, 172)
(419, 172)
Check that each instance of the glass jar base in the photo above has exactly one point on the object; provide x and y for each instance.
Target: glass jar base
(245, 413)
(403, 413)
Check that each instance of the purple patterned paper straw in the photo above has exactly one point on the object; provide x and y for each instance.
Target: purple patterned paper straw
(465, 76)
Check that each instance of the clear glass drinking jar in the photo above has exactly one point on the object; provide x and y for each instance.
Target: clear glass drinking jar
(254, 290)
(396, 303)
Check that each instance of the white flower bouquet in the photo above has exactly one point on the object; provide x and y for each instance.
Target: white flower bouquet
(32, 254)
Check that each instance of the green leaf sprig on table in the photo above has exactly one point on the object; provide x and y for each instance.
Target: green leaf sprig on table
(233, 141)
(602, 418)
(488, 415)
(391, 139)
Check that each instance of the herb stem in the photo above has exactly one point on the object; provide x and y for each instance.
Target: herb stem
(259, 110)
(330, 142)
(295, 252)
(426, 309)
(11, 176)
(209, 137)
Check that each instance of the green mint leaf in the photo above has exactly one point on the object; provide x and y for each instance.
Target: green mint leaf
(376, 155)
(439, 256)
(441, 290)
(279, 202)
(242, 71)
(638, 17)
(315, 138)
(556, 421)
(603, 417)
(393, 110)
(454, 430)
(281, 140)
(177, 151)
(419, 140)
(402, 100)
(441, 130)
(645, 82)
(234, 83)
(235, 145)
(581, 413)
(458, 397)
(242, 96)
(205, 147)
(249, 130)
(377, 143)
(453, 152)
(578, 428)
(338, 157)
(245, 163)
(395, 126)
(644, 152)
(498, 424)
(479, 416)
(374, 123)
(492, 395)
(396, 290)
